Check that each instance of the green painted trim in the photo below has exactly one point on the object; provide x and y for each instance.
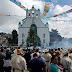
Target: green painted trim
(39, 9)
(24, 21)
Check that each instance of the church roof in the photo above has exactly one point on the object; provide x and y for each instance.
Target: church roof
(24, 19)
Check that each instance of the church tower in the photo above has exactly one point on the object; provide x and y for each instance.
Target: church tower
(33, 20)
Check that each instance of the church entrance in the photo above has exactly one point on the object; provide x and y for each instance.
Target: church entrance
(33, 39)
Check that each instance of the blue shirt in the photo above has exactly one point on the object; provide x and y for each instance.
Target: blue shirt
(36, 65)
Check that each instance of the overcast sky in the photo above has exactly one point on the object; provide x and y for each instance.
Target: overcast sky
(8, 23)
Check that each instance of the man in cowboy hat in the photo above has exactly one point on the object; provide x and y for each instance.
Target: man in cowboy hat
(65, 60)
(70, 56)
(18, 62)
(70, 53)
(47, 56)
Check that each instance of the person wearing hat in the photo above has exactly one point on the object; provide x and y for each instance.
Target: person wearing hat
(70, 54)
(47, 56)
(65, 60)
(18, 62)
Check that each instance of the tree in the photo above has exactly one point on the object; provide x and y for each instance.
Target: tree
(33, 39)
(9, 41)
(54, 36)
(14, 37)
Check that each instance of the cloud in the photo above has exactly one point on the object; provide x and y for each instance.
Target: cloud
(59, 9)
(8, 23)
(36, 3)
(64, 28)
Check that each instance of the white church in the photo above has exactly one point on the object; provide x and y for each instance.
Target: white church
(33, 20)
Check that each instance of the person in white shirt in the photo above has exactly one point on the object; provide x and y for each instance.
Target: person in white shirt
(18, 62)
(7, 62)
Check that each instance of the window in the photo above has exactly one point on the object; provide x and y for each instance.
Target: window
(43, 35)
(43, 40)
(32, 12)
(33, 26)
(22, 35)
(22, 40)
(36, 15)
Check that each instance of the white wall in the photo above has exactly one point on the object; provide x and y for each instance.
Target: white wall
(22, 31)
(41, 29)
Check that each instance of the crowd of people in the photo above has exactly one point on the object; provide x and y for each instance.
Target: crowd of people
(33, 60)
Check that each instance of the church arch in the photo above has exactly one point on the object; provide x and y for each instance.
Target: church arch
(33, 26)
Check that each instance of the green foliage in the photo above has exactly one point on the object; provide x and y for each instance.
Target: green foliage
(54, 36)
(9, 40)
(19, 22)
(33, 38)
(14, 39)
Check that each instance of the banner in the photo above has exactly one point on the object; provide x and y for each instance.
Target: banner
(11, 15)
(47, 7)
(64, 13)
(61, 14)
(19, 4)
(60, 20)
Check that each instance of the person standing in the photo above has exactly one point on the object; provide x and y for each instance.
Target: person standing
(47, 57)
(2, 56)
(53, 66)
(66, 61)
(36, 64)
(27, 56)
(18, 62)
(7, 62)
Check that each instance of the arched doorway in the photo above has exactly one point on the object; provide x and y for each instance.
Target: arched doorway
(33, 39)
(33, 26)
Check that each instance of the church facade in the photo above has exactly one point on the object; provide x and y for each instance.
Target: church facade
(33, 20)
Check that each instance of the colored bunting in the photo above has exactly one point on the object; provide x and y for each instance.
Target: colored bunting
(60, 20)
(12, 15)
(69, 11)
(64, 13)
(47, 7)
(19, 4)
(39, 18)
